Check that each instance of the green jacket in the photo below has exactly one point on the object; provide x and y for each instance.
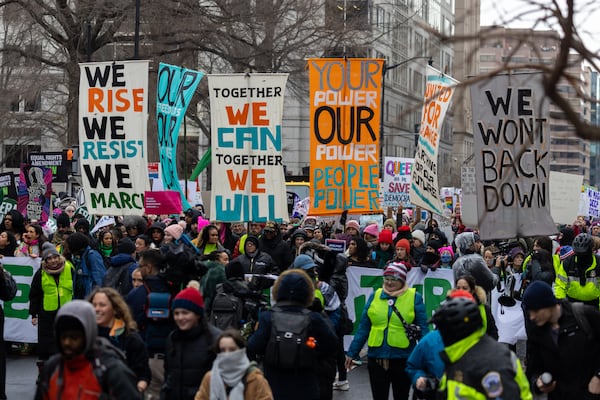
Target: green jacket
(479, 368)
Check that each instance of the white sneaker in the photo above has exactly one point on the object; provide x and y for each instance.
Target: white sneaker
(341, 385)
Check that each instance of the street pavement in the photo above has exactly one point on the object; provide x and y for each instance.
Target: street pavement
(21, 373)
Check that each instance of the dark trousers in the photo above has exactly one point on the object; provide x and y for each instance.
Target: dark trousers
(382, 373)
(2, 359)
(341, 360)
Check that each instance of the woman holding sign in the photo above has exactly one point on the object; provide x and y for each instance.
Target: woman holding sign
(391, 323)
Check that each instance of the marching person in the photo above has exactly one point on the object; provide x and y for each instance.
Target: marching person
(383, 325)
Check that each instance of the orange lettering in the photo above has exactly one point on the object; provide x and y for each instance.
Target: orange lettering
(259, 110)
(235, 181)
(258, 178)
(95, 97)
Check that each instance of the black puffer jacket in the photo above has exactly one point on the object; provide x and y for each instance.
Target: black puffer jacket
(261, 263)
(188, 357)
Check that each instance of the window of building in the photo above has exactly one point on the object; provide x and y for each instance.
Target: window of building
(15, 154)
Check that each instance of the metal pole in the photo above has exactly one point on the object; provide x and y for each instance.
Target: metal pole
(185, 170)
(136, 40)
(381, 122)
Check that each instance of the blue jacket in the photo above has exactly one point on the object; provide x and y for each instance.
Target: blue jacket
(89, 272)
(385, 351)
(425, 358)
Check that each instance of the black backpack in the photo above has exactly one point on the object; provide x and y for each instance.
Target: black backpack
(289, 346)
(118, 278)
(227, 310)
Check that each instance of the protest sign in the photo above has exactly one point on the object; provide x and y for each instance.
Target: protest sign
(593, 203)
(424, 187)
(174, 91)
(113, 113)
(396, 181)
(565, 191)
(248, 181)
(35, 193)
(511, 147)
(345, 115)
(55, 160)
(162, 202)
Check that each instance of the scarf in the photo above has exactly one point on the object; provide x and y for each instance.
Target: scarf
(55, 271)
(104, 250)
(229, 370)
(396, 293)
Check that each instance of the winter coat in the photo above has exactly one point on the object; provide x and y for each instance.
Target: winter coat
(120, 265)
(209, 282)
(573, 360)
(257, 387)
(261, 263)
(188, 357)
(45, 326)
(132, 345)
(99, 371)
(301, 384)
(278, 250)
(137, 300)
(90, 271)
(425, 358)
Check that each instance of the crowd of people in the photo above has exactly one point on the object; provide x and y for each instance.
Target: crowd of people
(174, 308)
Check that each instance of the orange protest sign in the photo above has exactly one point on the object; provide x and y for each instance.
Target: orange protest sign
(345, 115)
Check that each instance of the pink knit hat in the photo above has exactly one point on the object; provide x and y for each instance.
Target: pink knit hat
(372, 230)
(448, 249)
(174, 230)
(353, 224)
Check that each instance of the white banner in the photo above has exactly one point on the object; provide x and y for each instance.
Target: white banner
(433, 286)
(113, 115)
(512, 143)
(424, 188)
(248, 182)
(17, 323)
(565, 191)
(396, 181)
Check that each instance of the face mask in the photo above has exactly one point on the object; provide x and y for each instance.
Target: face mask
(446, 258)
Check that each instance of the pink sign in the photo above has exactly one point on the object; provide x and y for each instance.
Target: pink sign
(162, 202)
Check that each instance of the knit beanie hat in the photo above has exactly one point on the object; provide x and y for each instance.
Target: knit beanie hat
(404, 243)
(126, 246)
(353, 224)
(404, 232)
(396, 270)
(50, 252)
(456, 293)
(372, 230)
(434, 244)
(538, 295)
(390, 222)
(189, 299)
(385, 236)
(174, 230)
(448, 249)
(420, 235)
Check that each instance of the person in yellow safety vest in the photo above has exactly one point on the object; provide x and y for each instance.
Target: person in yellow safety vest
(389, 345)
(476, 366)
(577, 277)
(51, 288)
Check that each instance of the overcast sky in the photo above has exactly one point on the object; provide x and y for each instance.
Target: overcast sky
(498, 12)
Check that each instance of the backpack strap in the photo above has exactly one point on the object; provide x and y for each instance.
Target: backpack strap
(582, 321)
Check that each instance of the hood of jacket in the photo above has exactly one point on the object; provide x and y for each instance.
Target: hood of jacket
(84, 312)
